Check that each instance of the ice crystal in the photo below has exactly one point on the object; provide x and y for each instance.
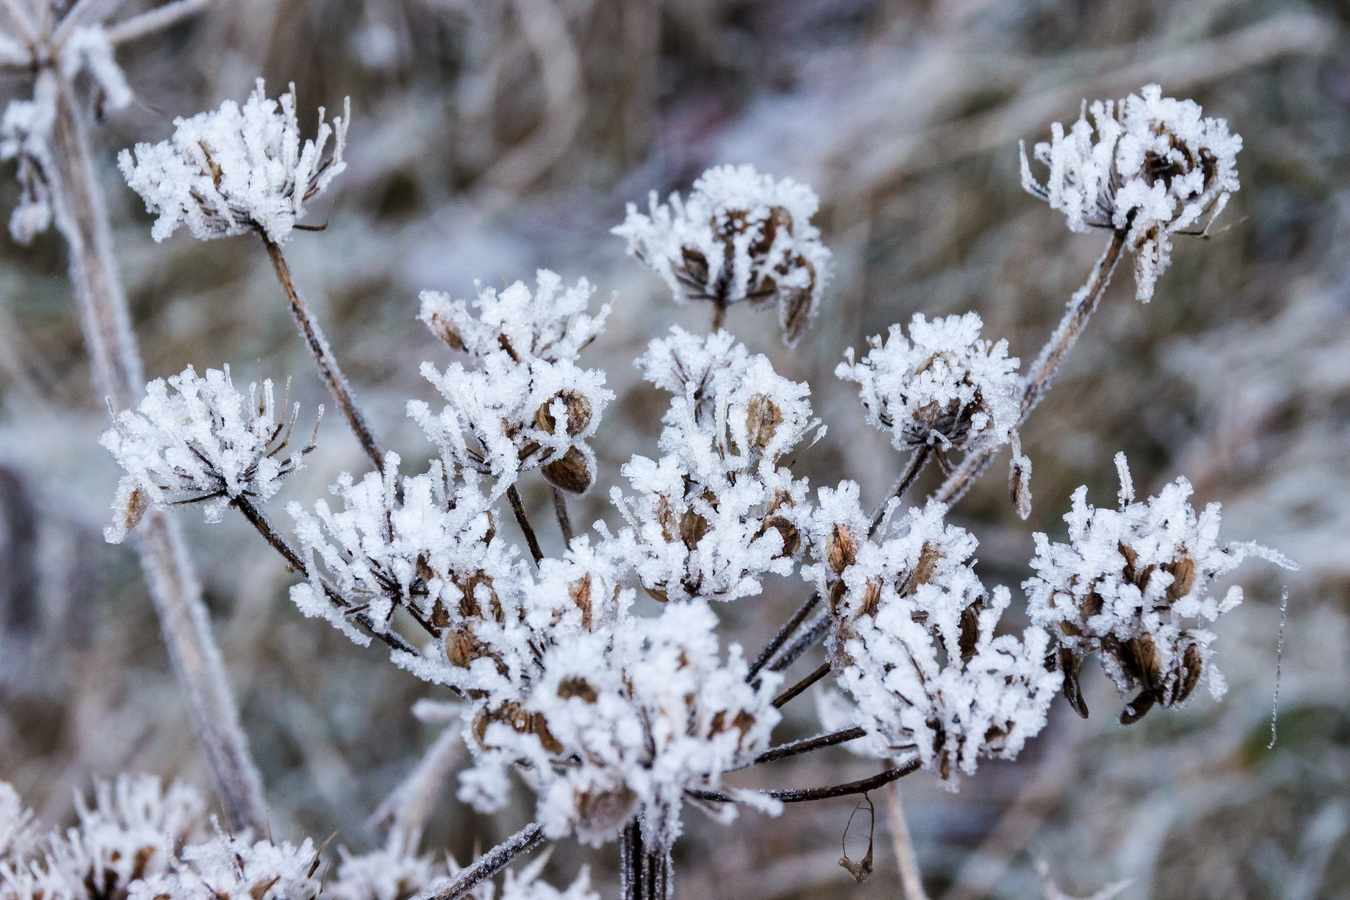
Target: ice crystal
(913, 639)
(197, 439)
(523, 403)
(237, 169)
(739, 236)
(392, 872)
(1132, 584)
(718, 510)
(25, 130)
(235, 866)
(940, 386)
(1147, 166)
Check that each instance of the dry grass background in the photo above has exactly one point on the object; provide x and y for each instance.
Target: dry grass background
(497, 136)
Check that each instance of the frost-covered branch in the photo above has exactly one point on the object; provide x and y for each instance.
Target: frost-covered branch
(489, 864)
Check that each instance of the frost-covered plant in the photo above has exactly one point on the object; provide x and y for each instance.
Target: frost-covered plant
(717, 511)
(24, 131)
(912, 638)
(235, 866)
(1147, 166)
(237, 169)
(524, 403)
(524, 884)
(1132, 585)
(195, 439)
(740, 236)
(940, 386)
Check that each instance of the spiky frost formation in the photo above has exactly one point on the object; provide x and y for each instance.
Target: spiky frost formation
(624, 722)
(913, 640)
(523, 403)
(552, 323)
(717, 511)
(17, 836)
(237, 169)
(131, 831)
(392, 872)
(940, 386)
(228, 866)
(1149, 166)
(523, 884)
(197, 439)
(1132, 584)
(739, 236)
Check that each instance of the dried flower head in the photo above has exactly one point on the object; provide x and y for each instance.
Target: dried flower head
(392, 872)
(235, 866)
(1132, 584)
(913, 641)
(237, 169)
(1147, 166)
(739, 236)
(198, 439)
(941, 386)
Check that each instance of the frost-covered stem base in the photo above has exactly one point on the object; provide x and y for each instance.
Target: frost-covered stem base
(644, 873)
(489, 864)
(564, 519)
(332, 374)
(1042, 372)
(518, 508)
(82, 219)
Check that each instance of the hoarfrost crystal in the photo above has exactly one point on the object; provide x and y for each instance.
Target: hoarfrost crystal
(1147, 166)
(237, 169)
(739, 236)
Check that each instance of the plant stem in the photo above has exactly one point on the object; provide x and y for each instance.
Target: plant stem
(911, 882)
(83, 221)
(913, 469)
(1042, 373)
(789, 628)
(323, 355)
(719, 316)
(805, 641)
(807, 745)
(523, 521)
(564, 520)
(800, 687)
(810, 795)
(490, 863)
(645, 873)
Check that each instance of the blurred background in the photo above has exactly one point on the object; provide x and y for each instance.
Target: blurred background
(493, 137)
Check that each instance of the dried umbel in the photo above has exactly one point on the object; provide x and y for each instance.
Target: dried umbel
(1147, 166)
(197, 439)
(940, 386)
(913, 641)
(237, 169)
(740, 236)
(1132, 584)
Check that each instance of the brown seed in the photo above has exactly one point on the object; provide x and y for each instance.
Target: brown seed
(576, 687)
(1146, 654)
(572, 472)
(692, 528)
(787, 531)
(657, 594)
(1192, 666)
(1073, 692)
(580, 592)
(842, 551)
(871, 598)
(137, 504)
(1183, 578)
(578, 413)
(1138, 708)
(762, 418)
(970, 629)
(440, 326)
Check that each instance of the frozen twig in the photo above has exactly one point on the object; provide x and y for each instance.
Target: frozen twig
(489, 864)
(809, 795)
(154, 20)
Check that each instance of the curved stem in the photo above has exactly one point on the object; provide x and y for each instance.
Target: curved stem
(82, 219)
(323, 355)
(809, 795)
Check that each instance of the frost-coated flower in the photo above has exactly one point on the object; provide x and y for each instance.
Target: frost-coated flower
(913, 641)
(717, 511)
(623, 723)
(1148, 166)
(237, 169)
(236, 866)
(552, 323)
(940, 386)
(1132, 584)
(197, 439)
(739, 236)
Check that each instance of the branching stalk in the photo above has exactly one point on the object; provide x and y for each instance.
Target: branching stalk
(332, 374)
(82, 219)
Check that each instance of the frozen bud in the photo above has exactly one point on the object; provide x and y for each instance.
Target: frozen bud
(237, 169)
(740, 236)
(570, 407)
(940, 386)
(1132, 584)
(1146, 167)
(197, 439)
(762, 418)
(573, 472)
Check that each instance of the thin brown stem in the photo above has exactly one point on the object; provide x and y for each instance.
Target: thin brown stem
(808, 745)
(81, 217)
(913, 469)
(489, 864)
(809, 795)
(784, 634)
(323, 355)
(1042, 373)
(719, 316)
(800, 687)
(523, 521)
(564, 519)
